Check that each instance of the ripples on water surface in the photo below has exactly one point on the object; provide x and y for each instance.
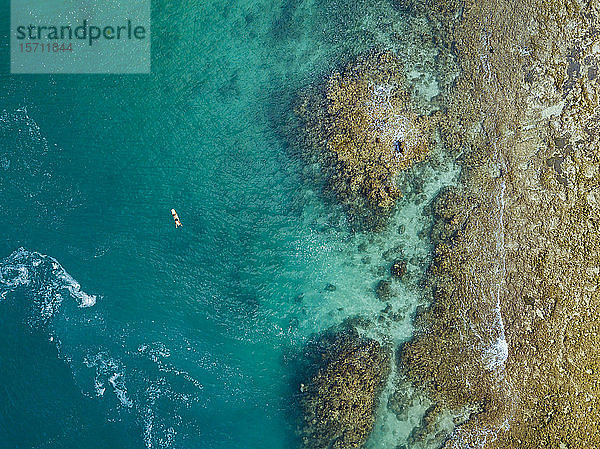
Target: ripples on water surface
(184, 338)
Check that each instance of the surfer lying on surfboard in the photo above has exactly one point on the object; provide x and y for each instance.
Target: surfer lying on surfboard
(176, 218)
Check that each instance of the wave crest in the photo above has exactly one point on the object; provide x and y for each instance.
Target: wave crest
(46, 280)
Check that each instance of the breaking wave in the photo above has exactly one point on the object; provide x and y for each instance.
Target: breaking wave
(45, 280)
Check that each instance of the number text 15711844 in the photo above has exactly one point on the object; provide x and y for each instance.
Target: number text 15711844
(38, 47)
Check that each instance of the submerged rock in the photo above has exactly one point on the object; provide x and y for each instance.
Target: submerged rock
(330, 288)
(340, 398)
(362, 130)
(383, 290)
(398, 268)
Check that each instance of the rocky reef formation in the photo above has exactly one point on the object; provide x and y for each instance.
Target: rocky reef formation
(361, 129)
(460, 350)
(340, 395)
(512, 333)
(398, 268)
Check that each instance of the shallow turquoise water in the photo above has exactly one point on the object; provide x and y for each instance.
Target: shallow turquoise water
(192, 337)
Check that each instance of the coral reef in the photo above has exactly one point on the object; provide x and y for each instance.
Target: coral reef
(459, 352)
(361, 128)
(383, 290)
(340, 396)
(398, 268)
(512, 333)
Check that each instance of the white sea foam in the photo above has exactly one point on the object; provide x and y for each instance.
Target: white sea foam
(472, 439)
(158, 352)
(46, 279)
(99, 386)
(496, 355)
(109, 372)
(157, 433)
(73, 287)
(385, 118)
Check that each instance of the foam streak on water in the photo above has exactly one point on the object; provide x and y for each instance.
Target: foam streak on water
(44, 277)
(137, 393)
(497, 354)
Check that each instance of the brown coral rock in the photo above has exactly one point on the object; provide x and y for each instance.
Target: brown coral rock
(518, 241)
(398, 268)
(362, 128)
(340, 399)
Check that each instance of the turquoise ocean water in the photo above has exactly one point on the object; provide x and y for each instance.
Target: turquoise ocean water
(119, 331)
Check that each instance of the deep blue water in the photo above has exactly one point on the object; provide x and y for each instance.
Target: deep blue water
(192, 337)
